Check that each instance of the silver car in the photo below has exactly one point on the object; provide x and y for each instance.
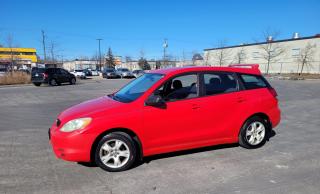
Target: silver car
(125, 73)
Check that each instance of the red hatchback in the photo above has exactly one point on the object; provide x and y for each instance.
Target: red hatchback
(168, 110)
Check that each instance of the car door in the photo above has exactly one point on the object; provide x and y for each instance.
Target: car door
(175, 126)
(221, 106)
(65, 75)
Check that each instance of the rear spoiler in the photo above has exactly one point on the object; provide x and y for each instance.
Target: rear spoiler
(252, 66)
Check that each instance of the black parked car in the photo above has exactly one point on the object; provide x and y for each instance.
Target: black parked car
(51, 76)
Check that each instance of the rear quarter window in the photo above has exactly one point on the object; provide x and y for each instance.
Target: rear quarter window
(253, 81)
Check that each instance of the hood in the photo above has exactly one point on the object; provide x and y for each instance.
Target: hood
(90, 108)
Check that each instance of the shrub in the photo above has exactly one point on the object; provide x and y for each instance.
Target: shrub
(11, 78)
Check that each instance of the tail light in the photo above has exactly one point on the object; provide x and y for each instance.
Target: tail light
(273, 92)
(45, 75)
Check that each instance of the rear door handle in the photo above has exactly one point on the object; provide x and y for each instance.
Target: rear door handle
(241, 99)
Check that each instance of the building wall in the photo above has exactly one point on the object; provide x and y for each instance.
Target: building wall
(21, 57)
(80, 64)
(288, 62)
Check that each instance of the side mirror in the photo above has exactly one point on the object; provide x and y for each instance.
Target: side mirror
(155, 101)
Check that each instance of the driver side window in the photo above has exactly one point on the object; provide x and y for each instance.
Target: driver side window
(179, 88)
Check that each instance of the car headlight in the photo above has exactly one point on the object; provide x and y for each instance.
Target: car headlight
(76, 124)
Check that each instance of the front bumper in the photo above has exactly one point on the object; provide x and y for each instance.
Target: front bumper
(74, 146)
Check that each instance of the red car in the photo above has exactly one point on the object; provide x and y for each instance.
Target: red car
(168, 110)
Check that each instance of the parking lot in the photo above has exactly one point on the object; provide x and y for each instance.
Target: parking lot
(288, 163)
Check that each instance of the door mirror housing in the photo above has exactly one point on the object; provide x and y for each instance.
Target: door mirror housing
(155, 101)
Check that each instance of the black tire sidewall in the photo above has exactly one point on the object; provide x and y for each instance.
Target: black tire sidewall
(123, 137)
(242, 135)
(73, 82)
(37, 84)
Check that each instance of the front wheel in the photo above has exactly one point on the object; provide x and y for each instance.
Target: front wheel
(253, 133)
(73, 81)
(115, 152)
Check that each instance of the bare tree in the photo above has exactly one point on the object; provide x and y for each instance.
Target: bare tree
(206, 58)
(52, 51)
(306, 56)
(241, 55)
(221, 55)
(271, 51)
(13, 57)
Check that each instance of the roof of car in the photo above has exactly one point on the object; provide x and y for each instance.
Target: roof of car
(239, 68)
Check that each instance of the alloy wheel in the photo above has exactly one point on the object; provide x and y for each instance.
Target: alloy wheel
(255, 133)
(114, 153)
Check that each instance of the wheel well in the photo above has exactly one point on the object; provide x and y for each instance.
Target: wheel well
(264, 117)
(129, 132)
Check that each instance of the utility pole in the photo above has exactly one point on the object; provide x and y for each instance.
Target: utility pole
(165, 46)
(44, 46)
(99, 39)
(52, 51)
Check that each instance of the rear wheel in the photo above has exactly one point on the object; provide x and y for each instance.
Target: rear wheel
(37, 84)
(115, 152)
(253, 133)
(52, 82)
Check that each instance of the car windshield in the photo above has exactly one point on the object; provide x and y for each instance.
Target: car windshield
(137, 87)
(124, 70)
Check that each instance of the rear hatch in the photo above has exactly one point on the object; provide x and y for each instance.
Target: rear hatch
(38, 74)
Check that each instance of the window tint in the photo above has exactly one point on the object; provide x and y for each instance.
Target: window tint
(64, 71)
(253, 81)
(137, 87)
(217, 83)
(181, 87)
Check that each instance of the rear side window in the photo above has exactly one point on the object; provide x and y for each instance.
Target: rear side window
(38, 70)
(253, 81)
(218, 83)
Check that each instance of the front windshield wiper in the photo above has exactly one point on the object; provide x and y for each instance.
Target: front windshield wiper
(119, 98)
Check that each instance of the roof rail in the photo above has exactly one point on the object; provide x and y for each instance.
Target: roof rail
(252, 66)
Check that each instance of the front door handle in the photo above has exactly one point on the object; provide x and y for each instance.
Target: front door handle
(195, 106)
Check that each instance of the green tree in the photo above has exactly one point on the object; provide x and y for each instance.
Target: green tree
(110, 59)
(143, 64)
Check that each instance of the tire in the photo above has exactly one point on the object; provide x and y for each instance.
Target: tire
(73, 81)
(37, 84)
(254, 133)
(115, 152)
(52, 82)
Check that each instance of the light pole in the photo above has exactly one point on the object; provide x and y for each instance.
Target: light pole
(99, 39)
(165, 46)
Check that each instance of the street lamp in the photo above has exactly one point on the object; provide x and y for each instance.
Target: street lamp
(99, 39)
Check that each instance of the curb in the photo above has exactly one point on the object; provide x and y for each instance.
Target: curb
(15, 85)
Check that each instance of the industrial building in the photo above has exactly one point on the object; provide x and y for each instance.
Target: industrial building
(17, 58)
(273, 56)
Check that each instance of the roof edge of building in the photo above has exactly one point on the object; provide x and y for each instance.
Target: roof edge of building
(259, 43)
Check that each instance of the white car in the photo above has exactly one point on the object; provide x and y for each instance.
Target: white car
(79, 73)
(94, 72)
